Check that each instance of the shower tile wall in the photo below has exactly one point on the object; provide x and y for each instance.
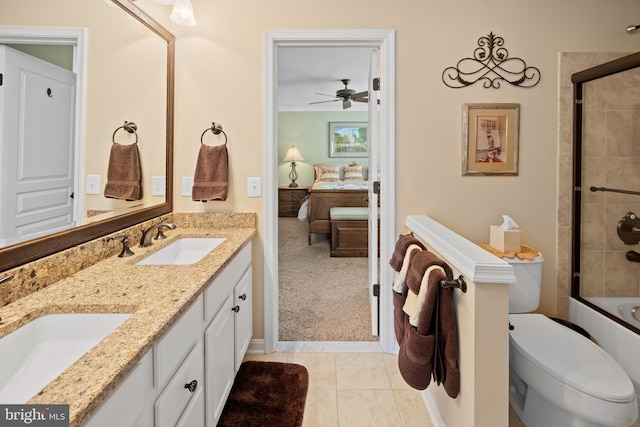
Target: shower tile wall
(611, 158)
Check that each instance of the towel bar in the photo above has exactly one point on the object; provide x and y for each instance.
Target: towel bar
(216, 129)
(456, 283)
(129, 127)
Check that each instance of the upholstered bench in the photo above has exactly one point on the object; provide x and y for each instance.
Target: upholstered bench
(349, 231)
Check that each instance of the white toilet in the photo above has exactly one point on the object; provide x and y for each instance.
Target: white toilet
(558, 377)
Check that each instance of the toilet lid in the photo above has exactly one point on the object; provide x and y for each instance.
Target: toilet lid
(570, 357)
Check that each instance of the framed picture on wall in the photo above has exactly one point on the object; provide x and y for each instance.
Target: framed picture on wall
(490, 139)
(348, 139)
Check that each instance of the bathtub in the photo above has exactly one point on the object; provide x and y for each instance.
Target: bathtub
(627, 309)
(621, 343)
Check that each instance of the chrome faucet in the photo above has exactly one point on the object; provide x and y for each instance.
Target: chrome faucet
(146, 234)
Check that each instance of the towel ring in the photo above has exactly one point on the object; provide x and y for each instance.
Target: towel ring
(216, 129)
(129, 127)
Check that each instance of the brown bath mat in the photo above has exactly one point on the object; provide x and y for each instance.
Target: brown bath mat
(267, 394)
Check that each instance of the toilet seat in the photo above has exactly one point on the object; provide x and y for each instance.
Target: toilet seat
(570, 358)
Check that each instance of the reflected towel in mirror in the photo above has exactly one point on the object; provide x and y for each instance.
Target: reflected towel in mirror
(124, 174)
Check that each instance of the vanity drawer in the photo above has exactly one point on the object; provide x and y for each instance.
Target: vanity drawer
(222, 286)
(171, 349)
(171, 404)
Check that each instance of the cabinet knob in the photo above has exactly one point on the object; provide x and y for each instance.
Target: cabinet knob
(243, 297)
(191, 386)
(236, 308)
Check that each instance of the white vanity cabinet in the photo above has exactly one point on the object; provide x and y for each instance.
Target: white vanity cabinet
(186, 378)
(243, 309)
(220, 354)
(125, 406)
(228, 306)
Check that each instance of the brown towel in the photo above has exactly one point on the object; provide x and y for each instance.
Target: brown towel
(419, 265)
(431, 349)
(211, 179)
(123, 175)
(403, 243)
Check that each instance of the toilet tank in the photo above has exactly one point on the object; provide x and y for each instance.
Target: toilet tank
(524, 294)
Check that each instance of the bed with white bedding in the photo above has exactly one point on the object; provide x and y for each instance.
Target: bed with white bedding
(335, 185)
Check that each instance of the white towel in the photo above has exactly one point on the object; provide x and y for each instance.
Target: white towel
(413, 305)
(398, 281)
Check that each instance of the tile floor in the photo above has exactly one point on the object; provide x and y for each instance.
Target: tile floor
(344, 392)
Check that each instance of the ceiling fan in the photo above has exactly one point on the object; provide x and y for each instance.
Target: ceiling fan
(345, 95)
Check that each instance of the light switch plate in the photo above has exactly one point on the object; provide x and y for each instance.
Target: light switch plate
(187, 186)
(254, 186)
(93, 184)
(159, 185)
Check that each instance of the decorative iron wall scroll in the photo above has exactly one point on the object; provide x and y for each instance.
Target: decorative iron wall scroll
(491, 65)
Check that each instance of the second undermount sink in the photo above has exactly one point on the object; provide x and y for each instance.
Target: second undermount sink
(35, 354)
(184, 251)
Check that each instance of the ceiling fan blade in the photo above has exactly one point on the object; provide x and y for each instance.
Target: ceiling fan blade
(324, 94)
(361, 99)
(322, 102)
(364, 94)
(346, 104)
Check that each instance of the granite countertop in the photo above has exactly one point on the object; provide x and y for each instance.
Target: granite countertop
(156, 295)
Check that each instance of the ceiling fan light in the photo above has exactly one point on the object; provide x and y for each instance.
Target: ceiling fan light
(182, 13)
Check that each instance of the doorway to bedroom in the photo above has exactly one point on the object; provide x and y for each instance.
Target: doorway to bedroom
(315, 297)
(322, 297)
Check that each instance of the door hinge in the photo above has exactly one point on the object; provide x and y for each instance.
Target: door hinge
(0, 79)
(376, 187)
(376, 83)
(376, 290)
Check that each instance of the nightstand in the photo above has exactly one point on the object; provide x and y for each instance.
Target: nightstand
(289, 200)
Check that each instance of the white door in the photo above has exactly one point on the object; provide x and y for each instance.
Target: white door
(374, 151)
(37, 109)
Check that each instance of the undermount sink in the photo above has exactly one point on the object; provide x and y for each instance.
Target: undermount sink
(184, 251)
(35, 354)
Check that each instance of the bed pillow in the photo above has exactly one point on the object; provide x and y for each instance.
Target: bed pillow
(353, 173)
(327, 173)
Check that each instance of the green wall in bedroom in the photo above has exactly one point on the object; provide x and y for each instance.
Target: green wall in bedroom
(309, 131)
(59, 55)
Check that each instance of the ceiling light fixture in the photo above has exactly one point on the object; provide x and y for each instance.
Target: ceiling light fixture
(182, 13)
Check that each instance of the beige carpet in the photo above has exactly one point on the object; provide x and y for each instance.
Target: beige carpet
(320, 298)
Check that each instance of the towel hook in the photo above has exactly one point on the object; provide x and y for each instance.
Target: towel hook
(456, 283)
(216, 129)
(129, 127)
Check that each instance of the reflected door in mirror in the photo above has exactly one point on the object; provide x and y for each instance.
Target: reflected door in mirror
(37, 102)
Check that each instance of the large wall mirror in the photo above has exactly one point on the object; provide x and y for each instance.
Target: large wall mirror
(121, 64)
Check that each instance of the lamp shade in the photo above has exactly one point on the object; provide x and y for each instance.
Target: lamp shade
(182, 13)
(293, 155)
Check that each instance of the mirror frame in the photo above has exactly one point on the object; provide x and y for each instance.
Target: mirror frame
(21, 253)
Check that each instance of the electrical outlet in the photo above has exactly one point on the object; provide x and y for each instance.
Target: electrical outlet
(159, 184)
(93, 184)
(187, 185)
(254, 187)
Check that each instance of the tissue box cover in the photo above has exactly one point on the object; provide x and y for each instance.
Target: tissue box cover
(504, 240)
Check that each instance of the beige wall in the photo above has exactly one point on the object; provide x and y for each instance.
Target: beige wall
(220, 78)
